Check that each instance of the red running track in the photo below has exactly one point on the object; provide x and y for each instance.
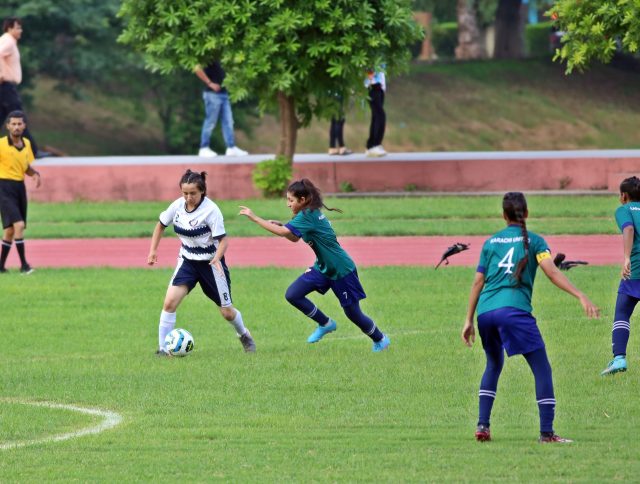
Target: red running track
(279, 252)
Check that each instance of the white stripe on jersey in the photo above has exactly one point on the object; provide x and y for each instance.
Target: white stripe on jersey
(199, 231)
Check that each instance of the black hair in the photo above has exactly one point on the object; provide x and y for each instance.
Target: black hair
(631, 186)
(193, 177)
(15, 114)
(9, 22)
(514, 206)
(304, 188)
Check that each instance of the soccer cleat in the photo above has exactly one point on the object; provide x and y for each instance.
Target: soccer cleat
(163, 353)
(617, 365)
(381, 345)
(321, 331)
(247, 343)
(483, 434)
(207, 153)
(26, 269)
(235, 151)
(550, 438)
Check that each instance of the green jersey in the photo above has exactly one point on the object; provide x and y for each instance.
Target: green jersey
(628, 215)
(498, 261)
(315, 229)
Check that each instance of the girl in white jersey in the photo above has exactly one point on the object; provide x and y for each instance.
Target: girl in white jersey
(199, 224)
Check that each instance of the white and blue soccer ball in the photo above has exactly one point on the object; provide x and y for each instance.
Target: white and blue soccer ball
(179, 342)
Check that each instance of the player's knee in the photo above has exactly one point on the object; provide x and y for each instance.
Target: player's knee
(170, 306)
(291, 295)
(228, 313)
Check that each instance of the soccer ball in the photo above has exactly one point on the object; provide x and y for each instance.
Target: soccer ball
(179, 342)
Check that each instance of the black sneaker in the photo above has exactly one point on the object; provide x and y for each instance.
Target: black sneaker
(26, 269)
(483, 434)
(550, 437)
(247, 343)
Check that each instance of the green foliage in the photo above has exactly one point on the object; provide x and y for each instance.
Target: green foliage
(272, 177)
(302, 48)
(444, 38)
(537, 39)
(347, 187)
(595, 29)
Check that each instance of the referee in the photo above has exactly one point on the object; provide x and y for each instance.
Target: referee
(16, 157)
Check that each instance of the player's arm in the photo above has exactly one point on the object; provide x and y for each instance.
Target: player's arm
(468, 331)
(35, 174)
(627, 243)
(152, 258)
(274, 228)
(561, 281)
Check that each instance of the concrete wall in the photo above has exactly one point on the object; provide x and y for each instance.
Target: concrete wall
(156, 178)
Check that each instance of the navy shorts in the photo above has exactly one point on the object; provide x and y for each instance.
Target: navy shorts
(630, 287)
(216, 286)
(13, 202)
(513, 329)
(348, 289)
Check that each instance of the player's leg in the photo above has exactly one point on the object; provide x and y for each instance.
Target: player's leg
(625, 304)
(18, 238)
(296, 294)
(172, 299)
(7, 240)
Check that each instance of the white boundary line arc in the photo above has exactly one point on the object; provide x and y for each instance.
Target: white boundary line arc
(111, 419)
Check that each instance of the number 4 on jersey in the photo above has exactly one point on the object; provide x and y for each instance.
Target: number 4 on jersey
(507, 261)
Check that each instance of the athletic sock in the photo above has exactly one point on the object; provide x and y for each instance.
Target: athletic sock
(620, 337)
(4, 253)
(20, 249)
(167, 323)
(539, 364)
(238, 324)
(364, 322)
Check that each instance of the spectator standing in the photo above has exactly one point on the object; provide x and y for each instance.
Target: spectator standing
(11, 72)
(377, 85)
(15, 161)
(216, 107)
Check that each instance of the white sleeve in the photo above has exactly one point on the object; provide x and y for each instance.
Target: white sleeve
(215, 221)
(166, 217)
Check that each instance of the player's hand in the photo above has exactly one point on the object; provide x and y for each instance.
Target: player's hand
(152, 258)
(38, 179)
(626, 268)
(468, 334)
(246, 211)
(216, 265)
(590, 309)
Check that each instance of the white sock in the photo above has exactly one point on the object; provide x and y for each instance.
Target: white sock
(238, 324)
(167, 323)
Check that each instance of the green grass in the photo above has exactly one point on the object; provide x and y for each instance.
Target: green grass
(333, 411)
(466, 106)
(362, 216)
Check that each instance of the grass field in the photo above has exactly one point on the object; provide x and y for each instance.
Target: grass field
(362, 216)
(297, 412)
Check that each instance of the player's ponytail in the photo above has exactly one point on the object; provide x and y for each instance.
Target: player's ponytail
(311, 193)
(198, 178)
(514, 206)
(631, 186)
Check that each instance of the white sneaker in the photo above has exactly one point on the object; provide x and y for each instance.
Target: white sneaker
(207, 153)
(235, 151)
(376, 151)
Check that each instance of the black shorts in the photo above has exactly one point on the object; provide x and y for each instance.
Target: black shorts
(13, 202)
(215, 285)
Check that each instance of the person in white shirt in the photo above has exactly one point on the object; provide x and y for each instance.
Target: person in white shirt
(199, 224)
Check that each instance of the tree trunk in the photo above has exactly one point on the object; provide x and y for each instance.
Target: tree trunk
(470, 35)
(288, 126)
(509, 30)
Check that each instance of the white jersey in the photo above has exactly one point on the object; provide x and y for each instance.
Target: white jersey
(199, 231)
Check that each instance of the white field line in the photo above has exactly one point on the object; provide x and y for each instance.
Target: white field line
(110, 420)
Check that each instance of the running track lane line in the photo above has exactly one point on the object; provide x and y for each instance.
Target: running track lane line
(279, 252)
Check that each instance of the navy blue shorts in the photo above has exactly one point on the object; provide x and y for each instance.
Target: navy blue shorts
(513, 329)
(216, 286)
(630, 287)
(348, 289)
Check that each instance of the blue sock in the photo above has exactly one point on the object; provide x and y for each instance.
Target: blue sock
(621, 326)
(541, 368)
(364, 322)
(296, 295)
(489, 384)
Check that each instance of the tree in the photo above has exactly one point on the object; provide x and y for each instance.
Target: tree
(290, 54)
(595, 30)
(510, 22)
(470, 33)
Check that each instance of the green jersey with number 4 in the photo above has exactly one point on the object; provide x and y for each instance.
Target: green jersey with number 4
(629, 215)
(498, 261)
